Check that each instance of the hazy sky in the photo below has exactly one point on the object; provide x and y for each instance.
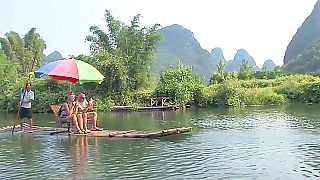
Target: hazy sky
(262, 27)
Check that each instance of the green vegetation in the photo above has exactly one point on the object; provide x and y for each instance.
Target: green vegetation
(180, 85)
(125, 55)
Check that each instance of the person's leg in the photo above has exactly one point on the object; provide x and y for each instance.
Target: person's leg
(30, 119)
(94, 117)
(31, 130)
(85, 121)
(74, 120)
(21, 124)
(21, 116)
(80, 121)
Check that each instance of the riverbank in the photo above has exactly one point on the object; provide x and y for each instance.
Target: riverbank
(229, 93)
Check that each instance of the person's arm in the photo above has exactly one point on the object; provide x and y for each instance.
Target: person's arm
(74, 108)
(30, 99)
(27, 100)
(90, 104)
(66, 108)
(70, 108)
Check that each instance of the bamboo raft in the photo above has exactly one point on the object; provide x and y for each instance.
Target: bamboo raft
(147, 108)
(135, 133)
(104, 133)
(158, 108)
(122, 108)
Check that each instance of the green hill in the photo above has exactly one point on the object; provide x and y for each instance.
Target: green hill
(179, 44)
(307, 33)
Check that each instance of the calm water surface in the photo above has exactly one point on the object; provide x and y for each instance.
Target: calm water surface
(251, 143)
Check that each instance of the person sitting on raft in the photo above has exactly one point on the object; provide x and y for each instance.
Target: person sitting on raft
(69, 112)
(84, 108)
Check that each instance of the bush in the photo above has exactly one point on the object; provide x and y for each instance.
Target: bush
(310, 92)
(208, 96)
(292, 90)
(263, 96)
(230, 93)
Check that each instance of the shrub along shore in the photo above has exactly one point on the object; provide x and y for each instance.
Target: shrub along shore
(182, 88)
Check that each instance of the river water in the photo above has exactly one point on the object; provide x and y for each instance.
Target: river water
(276, 142)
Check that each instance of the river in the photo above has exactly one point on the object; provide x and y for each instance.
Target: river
(271, 142)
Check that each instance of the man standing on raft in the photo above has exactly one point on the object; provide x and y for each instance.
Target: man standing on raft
(25, 111)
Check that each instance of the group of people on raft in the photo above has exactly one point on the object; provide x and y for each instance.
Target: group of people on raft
(78, 112)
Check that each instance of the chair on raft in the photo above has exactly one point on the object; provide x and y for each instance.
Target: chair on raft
(61, 122)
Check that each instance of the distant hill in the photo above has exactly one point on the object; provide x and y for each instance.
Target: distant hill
(216, 56)
(179, 44)
(54, 56)
(269, 65)
(234, 65)
(307, 33)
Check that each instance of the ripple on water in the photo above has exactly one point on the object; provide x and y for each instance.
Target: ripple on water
(260, 145)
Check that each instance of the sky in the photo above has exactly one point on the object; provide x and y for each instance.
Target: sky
(263, 27)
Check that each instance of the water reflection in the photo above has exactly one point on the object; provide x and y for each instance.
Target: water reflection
(81, 152)
(28, 147)
(251, 143)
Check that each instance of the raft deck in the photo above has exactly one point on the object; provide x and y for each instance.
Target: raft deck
(105, 133)
(135, 133)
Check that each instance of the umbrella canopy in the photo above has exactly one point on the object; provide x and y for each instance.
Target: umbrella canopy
(71, 70)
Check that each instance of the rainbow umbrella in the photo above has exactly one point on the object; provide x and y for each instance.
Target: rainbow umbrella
(71, 70)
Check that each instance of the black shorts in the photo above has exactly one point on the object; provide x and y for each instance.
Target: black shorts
(25, 113)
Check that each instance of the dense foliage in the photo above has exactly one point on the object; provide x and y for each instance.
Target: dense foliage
(179, 85)
(18, 57)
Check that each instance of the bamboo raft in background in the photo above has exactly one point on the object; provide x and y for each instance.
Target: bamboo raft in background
(158, 108)
(155, 104)
(122, 108)
(147, 108)
(105, 133)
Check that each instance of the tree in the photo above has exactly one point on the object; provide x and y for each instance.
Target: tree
(26, 52)
(124, 53)
(246, 70)
(34, 46)
(179, 84)
(219, 76)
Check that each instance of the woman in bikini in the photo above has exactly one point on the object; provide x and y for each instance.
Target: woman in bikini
(69, 112)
